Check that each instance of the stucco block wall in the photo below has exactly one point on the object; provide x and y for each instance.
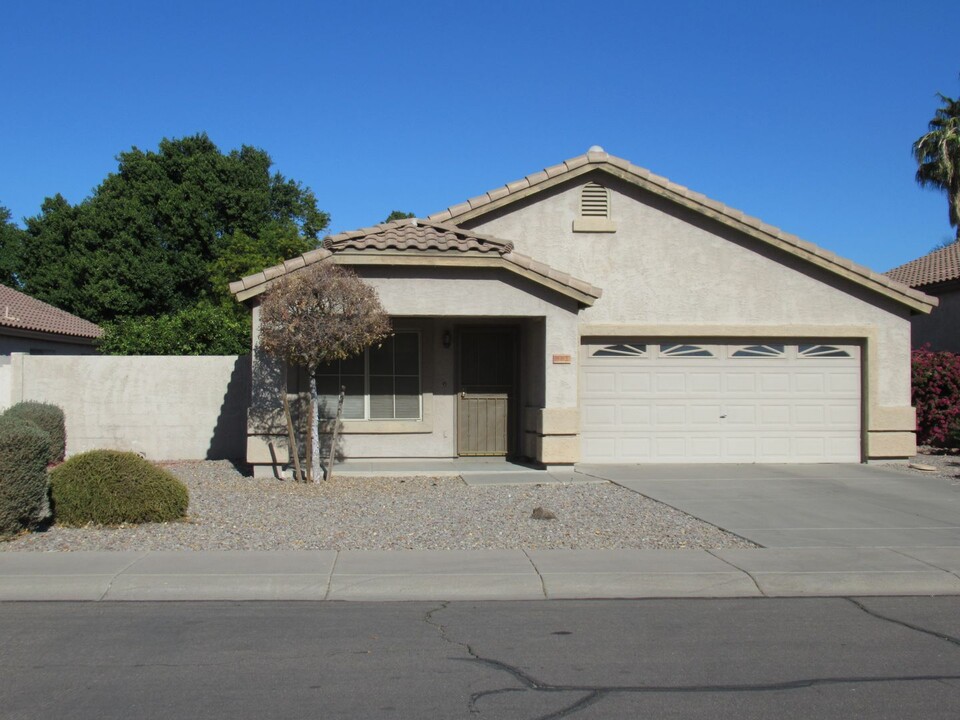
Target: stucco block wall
(168, 408)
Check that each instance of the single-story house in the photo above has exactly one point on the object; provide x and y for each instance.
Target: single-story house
(595, 312)
(28, 325)
(938, 274)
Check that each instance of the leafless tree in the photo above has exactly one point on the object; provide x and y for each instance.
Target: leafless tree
(317, 315)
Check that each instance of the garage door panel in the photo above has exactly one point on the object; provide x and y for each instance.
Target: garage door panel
(775, 382)
(705, 382)
(635, 382)
(741, 382)
(809, 415)
(671, 448)
(775, 414)
(600, 415)
(810, 382)
(668, 415)
(844, 416)
(787, 406)
(705, 415)
(635, 416)
(738, 416)
(844, 382)
(706, 447)
(600, 381)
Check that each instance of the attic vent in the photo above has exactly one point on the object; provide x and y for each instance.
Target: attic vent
(594, 210)
(594, 201)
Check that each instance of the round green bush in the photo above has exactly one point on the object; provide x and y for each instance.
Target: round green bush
(48, 418)
(109, 487)
(24, 452)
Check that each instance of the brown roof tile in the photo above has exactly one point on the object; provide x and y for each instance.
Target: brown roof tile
(26, 313)
(417, 235)
(412, 236)
(938, 266)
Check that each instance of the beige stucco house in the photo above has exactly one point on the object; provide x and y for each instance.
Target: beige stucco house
(938, 274)
(595, 312)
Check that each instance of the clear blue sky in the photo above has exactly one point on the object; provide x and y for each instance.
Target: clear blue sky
(801, 114)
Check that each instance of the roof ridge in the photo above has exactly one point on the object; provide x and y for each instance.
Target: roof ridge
(599, 159)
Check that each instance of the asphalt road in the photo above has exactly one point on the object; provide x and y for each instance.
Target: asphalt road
(737, 658)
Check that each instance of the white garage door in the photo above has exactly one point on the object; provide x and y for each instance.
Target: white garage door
(690, 402)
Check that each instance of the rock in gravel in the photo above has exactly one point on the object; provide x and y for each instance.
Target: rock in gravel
(540, 514)
(923, 467)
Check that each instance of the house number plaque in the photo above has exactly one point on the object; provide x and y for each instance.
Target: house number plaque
(562, 359)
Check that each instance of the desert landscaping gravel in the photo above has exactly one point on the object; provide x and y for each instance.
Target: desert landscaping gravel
(229, 511)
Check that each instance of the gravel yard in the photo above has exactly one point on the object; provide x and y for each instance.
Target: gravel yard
(229, 511)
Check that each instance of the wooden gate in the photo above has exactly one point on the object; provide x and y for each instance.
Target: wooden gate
(482, 422)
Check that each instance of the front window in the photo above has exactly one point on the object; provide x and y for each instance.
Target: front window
(381, 384)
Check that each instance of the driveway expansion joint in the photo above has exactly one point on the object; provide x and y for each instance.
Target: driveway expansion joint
(740, 569)
(120, 572)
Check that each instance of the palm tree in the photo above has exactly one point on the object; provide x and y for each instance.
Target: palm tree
(938, 156)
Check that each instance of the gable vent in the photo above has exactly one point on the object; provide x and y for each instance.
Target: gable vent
(594, 210)
(594, 201)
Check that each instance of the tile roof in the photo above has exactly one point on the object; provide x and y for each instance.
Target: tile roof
(26, 313)
(597, 159)
(937, 266)
(411, 237)
(411, 234)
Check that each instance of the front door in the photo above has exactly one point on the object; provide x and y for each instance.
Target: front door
(486, 402)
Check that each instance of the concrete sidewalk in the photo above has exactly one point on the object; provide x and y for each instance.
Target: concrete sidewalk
(478, 574)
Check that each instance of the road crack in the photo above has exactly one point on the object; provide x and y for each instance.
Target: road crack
(592, 694)
(903, 623)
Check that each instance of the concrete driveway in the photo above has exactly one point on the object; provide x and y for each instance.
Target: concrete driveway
(782, 506)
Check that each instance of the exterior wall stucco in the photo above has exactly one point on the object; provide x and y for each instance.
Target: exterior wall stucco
(683, 275)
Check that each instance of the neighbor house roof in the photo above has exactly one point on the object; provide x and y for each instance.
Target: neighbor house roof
(419, 242)
(23, 312)
(597, 159)
(941, 265)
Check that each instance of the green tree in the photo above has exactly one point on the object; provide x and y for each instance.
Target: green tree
(11, 244)
(398, 215)
(152, 251)
(938, 156)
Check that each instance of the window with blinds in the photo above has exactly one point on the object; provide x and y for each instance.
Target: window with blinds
(381, 384)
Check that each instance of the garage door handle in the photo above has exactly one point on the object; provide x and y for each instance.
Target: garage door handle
(722, 417)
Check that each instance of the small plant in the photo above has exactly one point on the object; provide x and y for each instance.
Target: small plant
(109, 487)
(936, 395)
(24, 452)
(48, 418)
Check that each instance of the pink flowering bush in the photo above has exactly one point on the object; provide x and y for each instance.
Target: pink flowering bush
(936, 395)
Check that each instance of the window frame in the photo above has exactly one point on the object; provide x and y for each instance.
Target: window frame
(367, 385)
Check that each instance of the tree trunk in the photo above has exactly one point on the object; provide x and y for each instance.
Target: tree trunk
(311, 431)
(336, 432)
(314, 423)
(291, 436)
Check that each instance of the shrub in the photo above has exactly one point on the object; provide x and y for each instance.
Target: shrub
(108, 487)
(24, 452)
(936, 395)
(48, 418)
